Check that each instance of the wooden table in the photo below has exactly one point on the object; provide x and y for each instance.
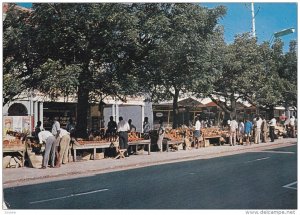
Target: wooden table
(171, 142)
(141, 142)
(20, 148)
(95, 145)
(210, 137)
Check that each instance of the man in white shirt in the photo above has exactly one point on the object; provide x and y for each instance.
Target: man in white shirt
(50, 144)
(233, 131)
(64, 145)
(292, 124)
(55, 128)
(272, 124)
(197, 133)
(123, 129)
(241, 132)
(55, 131)
(258, 123)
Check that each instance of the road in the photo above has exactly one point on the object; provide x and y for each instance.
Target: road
(253, 180)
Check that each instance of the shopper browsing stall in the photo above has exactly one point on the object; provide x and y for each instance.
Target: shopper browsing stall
(123, 129)
(50, 143)
(272, 125)
(64, 146)
(197, 133)
(161, 132)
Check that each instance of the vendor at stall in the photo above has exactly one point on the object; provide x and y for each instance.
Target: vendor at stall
(161, 132)
(197, 133)
(123, 129)
(50, 143)
(64, 146)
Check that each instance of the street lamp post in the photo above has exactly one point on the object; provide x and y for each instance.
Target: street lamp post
(282, 33)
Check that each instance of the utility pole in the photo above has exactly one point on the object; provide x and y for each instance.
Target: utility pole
(253, 20)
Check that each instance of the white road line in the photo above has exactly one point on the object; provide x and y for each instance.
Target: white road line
(60, 188)
(278, 152)
(259, 159)
(289, 186)
(64, 197)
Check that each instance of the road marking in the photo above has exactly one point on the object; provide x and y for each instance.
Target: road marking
(278, 152)
(259, 159)
(290, 186)
(72, 195)
(60, 188)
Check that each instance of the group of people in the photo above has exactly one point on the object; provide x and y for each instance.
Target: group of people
(122, 128)
(257, 130)
(56, 142)
(246, 130)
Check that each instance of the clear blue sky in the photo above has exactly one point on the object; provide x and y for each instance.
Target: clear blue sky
(269, 18)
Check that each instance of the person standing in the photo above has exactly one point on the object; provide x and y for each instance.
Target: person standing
(241, 131)
(272, 124)
(233, 131)
(292, 125)
(197, 133)
(123, 129)
(264, 129)
(64, 146)
(132, 127)
(258, 123)
(55, 131)
(161, 132)
(248, 128)
(37, 129)
(146, 128)
(111, 129)
(70, 127)
(50, 142)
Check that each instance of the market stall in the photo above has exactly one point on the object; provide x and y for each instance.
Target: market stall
(136, 139)
(212, 133)
(14, 149)
(173, 138)
(86, 145)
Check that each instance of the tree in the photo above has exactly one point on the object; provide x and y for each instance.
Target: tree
(289, 74)
(17, 63)
(179, 34)
(246, 71)
(279, 87)
(84, 47)
(237, 71)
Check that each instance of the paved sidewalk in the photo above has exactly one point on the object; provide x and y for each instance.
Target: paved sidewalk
(25, 175)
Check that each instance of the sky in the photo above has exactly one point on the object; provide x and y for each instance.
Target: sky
(269, 18)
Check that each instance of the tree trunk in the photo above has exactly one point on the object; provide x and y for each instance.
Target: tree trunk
(270, 112)
(233, 107)
(82, 112)
(83, 105)
(175, 109)
(221, 104)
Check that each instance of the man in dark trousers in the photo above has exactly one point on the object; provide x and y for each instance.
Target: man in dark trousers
(111, 129)
(123, 129)
(272, 125)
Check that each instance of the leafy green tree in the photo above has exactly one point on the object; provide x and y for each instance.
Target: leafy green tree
(279, 86)
(17, 57)
(238, 70)
(179, 33)
(86, 48)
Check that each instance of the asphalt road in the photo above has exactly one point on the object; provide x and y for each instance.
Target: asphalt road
(254, 180)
